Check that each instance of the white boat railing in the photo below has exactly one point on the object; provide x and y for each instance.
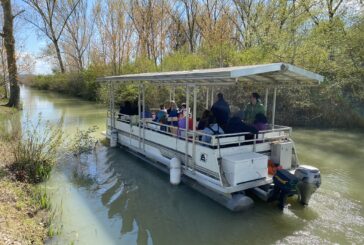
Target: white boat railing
(217, 141)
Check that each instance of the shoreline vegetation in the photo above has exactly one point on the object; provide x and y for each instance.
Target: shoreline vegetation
(25, 214)
(28, 153)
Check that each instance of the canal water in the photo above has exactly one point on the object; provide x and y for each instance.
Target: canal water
(111, 197)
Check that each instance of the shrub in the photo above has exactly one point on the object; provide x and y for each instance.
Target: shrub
(36, 152)
(83, 142)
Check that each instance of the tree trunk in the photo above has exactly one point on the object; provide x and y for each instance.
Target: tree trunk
(3, 64)
(9, 43)
(59, 57)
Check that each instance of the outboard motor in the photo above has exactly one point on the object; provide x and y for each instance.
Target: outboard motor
(309, 179)
(285, 185)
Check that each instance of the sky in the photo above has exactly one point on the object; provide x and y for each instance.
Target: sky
(33, 46)
(28, 41)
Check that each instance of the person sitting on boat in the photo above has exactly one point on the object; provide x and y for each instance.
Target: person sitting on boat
(254, 107)
(160, 114)
(147, 113)
(221, 110)
(182, 124)
(173, 114)
(260, 122)
(126, 108)
(240, 110)
(202, 123)
(212, 128)
(182, 110)
(236, 125)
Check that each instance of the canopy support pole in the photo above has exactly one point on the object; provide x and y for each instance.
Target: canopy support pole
(266, 101)
(212, 97)
(139, 114)
(274, 107)
(170, 94)
(174, 94)
(143, 114)
(112, 106)
(207, 98)
(194, 114)
(187, 117)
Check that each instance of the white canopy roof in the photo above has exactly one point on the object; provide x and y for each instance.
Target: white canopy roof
(276, 73)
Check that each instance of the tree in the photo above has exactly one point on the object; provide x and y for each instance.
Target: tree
(79, 30)
(9, 44)
(49, 21)
(3, 68)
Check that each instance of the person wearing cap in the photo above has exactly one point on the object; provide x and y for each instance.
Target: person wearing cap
(253, 108)
(221, 110)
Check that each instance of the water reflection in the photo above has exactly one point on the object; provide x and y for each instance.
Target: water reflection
(113, 197)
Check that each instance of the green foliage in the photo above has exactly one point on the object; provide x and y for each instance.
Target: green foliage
(180, 61)
(35, 153)
(41, 199)
(83, 142)
(82, 85)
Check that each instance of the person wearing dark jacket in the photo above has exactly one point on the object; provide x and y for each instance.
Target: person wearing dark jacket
(203, 122)
(236, 125)
(221, 110)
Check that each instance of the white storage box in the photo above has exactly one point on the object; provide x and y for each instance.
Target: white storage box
(245, 167)
(282, 154)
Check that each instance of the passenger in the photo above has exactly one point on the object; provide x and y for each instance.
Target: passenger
(240, 111)
(254, 107)
(147, 113)
(236, 125)
(160, 114)
(182, 125)
(212, 129)
(134, 108)
(126, 108)
(260, 122)
(173, 114)
(221, 110)
(202, 123)
(182, 110)
(163, 121)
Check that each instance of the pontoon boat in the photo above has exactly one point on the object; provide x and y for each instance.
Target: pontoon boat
(230, 165)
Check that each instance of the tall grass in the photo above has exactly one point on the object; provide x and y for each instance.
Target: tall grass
(36, 152)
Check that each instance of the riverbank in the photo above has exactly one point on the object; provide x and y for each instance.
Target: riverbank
(24, 213)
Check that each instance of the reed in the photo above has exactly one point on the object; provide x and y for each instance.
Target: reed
(36, 152)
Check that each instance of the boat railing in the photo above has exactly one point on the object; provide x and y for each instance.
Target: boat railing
(217, 141)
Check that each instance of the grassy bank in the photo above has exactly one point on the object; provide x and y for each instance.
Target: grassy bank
(24, 210)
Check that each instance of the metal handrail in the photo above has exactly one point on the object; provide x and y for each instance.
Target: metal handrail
(197, 134)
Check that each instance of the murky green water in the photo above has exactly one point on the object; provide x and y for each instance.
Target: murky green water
(115, 198)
